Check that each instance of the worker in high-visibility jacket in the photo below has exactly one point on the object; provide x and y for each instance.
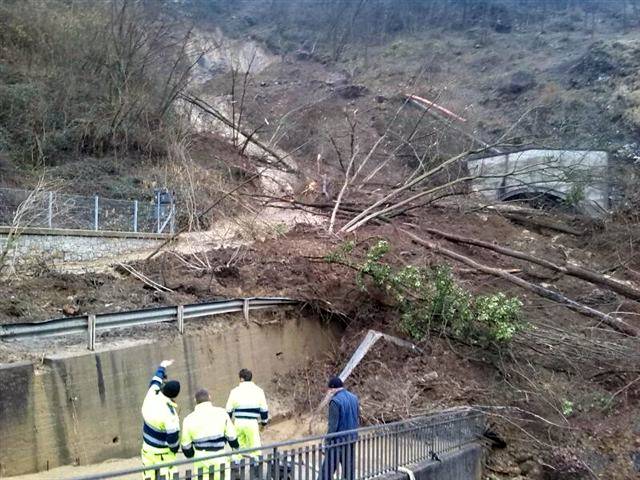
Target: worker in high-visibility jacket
(161, 427)
(206, 431)
(247, 406)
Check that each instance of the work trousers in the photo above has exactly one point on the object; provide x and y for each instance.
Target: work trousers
(339, 453)
(248, 434)
(151, 458)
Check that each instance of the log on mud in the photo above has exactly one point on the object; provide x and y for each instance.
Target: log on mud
(613, 322)
(541, 222)
(568, 269)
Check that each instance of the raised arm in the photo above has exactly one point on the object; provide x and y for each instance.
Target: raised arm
(161, 374)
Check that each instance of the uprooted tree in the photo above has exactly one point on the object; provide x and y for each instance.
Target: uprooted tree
(430, 300)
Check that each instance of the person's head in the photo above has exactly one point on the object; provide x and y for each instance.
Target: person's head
(335, 383)
(202, 396)
(245, 375)
(171, 389)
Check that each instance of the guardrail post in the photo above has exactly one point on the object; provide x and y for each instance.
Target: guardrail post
(50, 211)
(95, 213)
(91, 332)
(158, 211)
(135, 216)
(181, 319)
(245, 310)
(276, 464)
(172, 222)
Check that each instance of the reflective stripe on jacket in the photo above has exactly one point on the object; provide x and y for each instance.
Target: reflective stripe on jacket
(207, 428)
(161, 426)
(247, 401)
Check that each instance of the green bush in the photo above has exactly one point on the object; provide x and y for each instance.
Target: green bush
(430, 299)
(499, 314)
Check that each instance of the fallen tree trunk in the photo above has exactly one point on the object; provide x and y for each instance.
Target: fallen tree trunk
(541, 222)
(249, 136)
(613, 322)
(567, 269)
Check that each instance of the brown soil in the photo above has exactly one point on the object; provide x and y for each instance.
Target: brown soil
(599, 424)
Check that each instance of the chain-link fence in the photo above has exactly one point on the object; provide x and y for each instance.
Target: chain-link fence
(46, 209)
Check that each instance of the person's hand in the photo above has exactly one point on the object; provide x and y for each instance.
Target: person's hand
(166, 363)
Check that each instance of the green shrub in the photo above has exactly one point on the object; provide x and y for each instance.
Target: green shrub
(430, 299)
(500, 314)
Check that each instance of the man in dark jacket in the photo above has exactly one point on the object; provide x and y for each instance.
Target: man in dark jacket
(344, 415)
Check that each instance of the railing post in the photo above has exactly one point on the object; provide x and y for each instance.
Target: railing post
(50, 211)
(276, 465)
(91, 332)
(95, 213)
(172, 222)
(135, 216)
(181, 319)
(396, 448)
(245, 309)
(158, 210)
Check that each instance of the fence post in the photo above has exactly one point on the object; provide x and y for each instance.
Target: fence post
(245, 310)
(172, 223)
(91, 332)
(158, 210)
(276, 464)
(50, 212)
(181, 319)
(396, 453)
(95, 213)
(135, 216)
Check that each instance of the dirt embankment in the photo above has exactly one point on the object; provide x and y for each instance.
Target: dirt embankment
(581, 389)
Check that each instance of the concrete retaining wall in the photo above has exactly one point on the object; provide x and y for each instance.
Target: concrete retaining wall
(85, 408)
(58, 246)
(463, 464)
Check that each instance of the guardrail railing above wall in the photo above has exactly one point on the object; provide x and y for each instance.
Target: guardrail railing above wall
(93, 323)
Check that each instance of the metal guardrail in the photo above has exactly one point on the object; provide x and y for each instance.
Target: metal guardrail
(358, 454)
(93, 323)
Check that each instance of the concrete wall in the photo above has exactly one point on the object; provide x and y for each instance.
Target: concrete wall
(85, 408)
(463, 464)
(557, 172)
(57, 246)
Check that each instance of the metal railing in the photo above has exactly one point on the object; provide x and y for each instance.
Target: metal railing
(53, 210)
(92, 323)
(356, 455)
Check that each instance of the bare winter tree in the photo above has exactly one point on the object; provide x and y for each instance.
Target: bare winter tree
(28, 213)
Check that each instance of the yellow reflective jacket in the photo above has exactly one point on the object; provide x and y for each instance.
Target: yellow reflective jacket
(207, 429)
(161, 428)
(247, 401)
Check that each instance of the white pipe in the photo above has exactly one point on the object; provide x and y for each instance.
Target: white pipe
(408, 472)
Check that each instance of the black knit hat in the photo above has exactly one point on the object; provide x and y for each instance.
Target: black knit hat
(335, 382)
(171, 389)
